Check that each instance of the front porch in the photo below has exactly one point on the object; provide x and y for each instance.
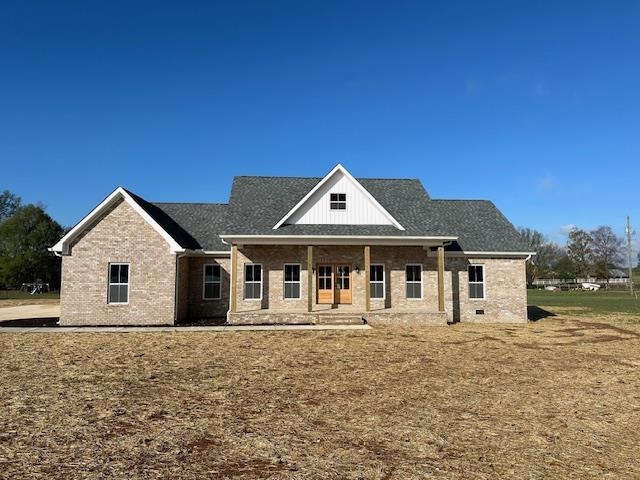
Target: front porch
(320, 284)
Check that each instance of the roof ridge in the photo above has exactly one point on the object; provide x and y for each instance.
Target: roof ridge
(190, 203)
(460, 200)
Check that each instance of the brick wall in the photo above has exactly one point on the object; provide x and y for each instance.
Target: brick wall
(505, 298)
(505, 293)
(120, 235)
(199, 308)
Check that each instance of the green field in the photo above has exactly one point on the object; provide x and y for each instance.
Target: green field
(582, 302)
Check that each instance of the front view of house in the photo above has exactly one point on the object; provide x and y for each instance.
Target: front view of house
(294, 250)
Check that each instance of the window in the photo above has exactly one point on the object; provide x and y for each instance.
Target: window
(253, 281)
(338, 201)
(476, 281)
(291, 281)
(118, 283)
(211, 289)
(414, 281)
(376, 281)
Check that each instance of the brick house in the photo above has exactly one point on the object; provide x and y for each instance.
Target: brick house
(294, 250)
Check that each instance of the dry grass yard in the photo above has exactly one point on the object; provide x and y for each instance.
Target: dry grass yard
(559, 398)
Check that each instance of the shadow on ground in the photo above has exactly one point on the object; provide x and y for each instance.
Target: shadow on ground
(201, 322)
(535, 313)
(31, 322)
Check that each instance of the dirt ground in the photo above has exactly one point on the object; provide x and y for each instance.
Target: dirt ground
(558, 398)
(15, 312)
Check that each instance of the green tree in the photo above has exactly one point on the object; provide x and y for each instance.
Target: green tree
(580, 252)
(564, 268)
(9, 203)
(24, 239)
(547, 253)
(607, 253)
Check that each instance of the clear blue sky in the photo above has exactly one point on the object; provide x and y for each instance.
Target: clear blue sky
(532, 104)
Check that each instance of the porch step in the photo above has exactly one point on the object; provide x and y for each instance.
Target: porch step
(340, 319)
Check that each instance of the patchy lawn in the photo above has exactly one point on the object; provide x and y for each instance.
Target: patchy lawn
(559, 398)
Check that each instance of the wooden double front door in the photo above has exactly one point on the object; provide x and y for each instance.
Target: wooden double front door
(334, 283)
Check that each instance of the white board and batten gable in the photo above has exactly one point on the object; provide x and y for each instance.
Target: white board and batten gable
(356, 205)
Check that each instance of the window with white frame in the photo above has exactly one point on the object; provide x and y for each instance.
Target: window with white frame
(253, 281)
(211, 282)
(413, 276)
(338, 201)
(118, 283)
(476, 281)
(291, 280)
(376, 281)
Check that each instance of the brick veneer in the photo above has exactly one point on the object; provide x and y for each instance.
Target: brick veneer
(505, 294)
(199, 308)
(120, 235)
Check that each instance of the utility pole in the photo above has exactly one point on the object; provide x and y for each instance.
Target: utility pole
(628, 231)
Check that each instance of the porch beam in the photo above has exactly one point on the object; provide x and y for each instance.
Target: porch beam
(441, 278)
(367, 267)
(233, 285)
(309, 278)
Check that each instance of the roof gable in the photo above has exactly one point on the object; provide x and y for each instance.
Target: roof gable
(145, 210)
(361, 208)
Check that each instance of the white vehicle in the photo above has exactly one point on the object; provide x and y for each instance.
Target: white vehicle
(594, 287)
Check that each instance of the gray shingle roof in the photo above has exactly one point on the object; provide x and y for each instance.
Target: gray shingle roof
(203, 221)
(256, 204)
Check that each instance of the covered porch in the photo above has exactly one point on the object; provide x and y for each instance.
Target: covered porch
(316, 280)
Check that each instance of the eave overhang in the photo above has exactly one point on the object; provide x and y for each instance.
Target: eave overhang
(63, 246)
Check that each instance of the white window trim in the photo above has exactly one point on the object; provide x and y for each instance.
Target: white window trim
(484, 282)
(406, 282)
(384, 282)
(204, 282)
(338, 202)
(284, 282)
(244, 282)
(128, 284)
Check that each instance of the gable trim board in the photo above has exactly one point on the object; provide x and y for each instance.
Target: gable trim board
(62, 247)
(241, 232)
(338, 170)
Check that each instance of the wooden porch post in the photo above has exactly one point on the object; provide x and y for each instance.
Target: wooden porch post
(441, 279)
(233, 286)
(309, 278)
(367, 267)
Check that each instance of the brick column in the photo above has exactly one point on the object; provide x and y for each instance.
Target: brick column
(441, 279)
(309, 278)
(233, 285)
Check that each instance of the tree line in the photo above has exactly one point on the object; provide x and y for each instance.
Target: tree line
(596, 253)
(26, 232)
